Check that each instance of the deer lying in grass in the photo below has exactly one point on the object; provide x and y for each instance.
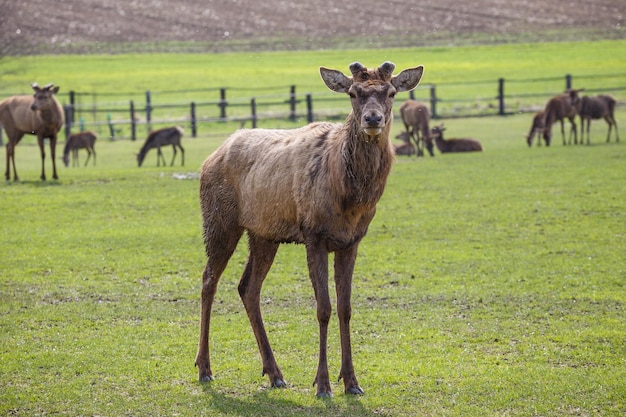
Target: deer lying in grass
(407, 148)
(163, 137)
(41, 116)
(453, 145)
(415, 115)
(76, 141)
(559, 108)
(599, 107)
(317, 185)
(536, 128)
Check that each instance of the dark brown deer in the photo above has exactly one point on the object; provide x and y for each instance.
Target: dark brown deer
(536, 128)
(318, 186)
(40, 115)
(407, 148)
(599, 107)
(416, 117)
(453, 145)
(163, 137)
(76, 141)
(559, 108)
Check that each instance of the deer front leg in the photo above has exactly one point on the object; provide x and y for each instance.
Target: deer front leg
(344, 267)
(317, 259)
(53, 146)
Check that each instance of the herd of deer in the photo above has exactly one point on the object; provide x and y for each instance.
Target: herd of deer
(317, 186)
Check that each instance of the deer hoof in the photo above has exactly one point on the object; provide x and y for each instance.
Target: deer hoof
(324, 394)
(279, 383)
(207, 378)
(355, 391)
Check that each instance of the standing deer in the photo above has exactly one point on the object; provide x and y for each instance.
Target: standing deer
(163, 137)
(318, 186)
(566, 105)
(454, 145)
(415, 115)
(602, 106)
(41, 115)
(76, 141)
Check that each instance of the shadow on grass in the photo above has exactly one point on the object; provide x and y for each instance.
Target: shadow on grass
(260, 404)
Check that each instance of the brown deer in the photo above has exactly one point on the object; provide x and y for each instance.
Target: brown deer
(559, 108)
(76, 141)
(453, 145)
(536, 128)
(415, 115)
(599, 107)
(40, 115)
(407, 148)
(318, 186)
(163, 137)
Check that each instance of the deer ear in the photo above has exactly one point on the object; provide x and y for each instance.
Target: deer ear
(335, 80)
(55, 90)
(408, 79)
(35, 86)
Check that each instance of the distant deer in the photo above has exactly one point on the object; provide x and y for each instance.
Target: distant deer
(415, 115)
(76, 141)
(601, 106)
(318, 186)
(40, 115)
(536, 128)
(559, 108)
(407, 148)
(163, 137)
(453, 145)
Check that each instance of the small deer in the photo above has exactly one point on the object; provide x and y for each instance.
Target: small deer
(40, 115)
(76, 141)
(163, 137)
(559, 108)
(454, 145)
(536, 128)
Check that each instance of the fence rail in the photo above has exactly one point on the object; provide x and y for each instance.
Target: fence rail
(120, 118)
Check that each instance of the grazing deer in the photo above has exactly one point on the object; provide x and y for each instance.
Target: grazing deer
(318, 186)
(536, 128)
(600, 107)
(415, 115)
(76, 141)
(454, 145)
(559, 108)
(163, 137)
(41, 115)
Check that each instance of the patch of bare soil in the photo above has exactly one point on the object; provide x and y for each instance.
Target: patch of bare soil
(84, 26)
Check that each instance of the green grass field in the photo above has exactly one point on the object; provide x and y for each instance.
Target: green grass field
(488, 284)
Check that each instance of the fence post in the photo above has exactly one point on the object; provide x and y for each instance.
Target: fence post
(193, 120)
(148, 110)
(68, 122)
(111, 128)
(568, 81)
(501, 96)
(222, 104)
(73, 106)
(253, 109)
(133, 126)
(292, 103)
(309, 108)
(433, 102)
(412, 94)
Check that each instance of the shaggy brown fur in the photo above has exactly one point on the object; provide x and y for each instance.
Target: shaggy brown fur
(559, 108)
(599, 107)
(416, 117)
(163, 137)
(454, 145)
(76, 141)
(318, 186)
(41, 115)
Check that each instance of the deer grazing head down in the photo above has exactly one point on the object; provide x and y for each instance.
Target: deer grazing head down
(372, 92)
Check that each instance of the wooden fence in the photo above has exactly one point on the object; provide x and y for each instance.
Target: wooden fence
(122, 119)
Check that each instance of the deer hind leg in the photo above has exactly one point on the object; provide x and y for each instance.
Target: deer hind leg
(42, 151)
(344, 267)
(262, 253)
(182, 155)
(53, 146)
(173, 157)
(88, 155)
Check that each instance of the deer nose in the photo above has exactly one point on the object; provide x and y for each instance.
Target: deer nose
(373, 119)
